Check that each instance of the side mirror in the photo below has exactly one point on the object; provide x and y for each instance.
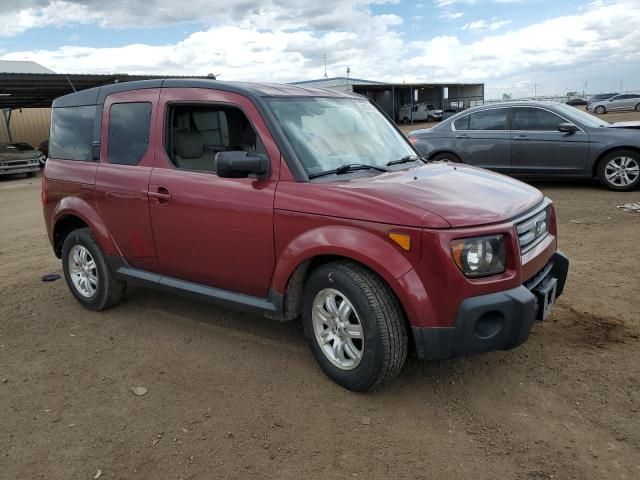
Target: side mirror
(567, 127)
(238, 164)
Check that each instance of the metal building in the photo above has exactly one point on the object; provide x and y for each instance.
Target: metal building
(392, 96)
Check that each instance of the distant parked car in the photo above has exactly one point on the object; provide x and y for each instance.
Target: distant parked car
(618, 103)
(537, 139)
(25, 147)
(601, 96)
(576, 102)
(421, 112)
(15, 160)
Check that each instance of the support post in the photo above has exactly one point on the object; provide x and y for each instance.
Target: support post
(393, 104)
(6, 115)
(411, 93)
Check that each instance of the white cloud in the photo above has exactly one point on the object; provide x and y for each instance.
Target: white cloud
(451, 15)
(484, 25)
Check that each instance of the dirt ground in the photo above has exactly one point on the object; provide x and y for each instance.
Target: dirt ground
(238, 396)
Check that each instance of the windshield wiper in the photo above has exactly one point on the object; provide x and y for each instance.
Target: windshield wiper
(349, 167)
(407, 159)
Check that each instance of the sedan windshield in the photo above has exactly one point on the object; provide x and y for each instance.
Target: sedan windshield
(329, 133)
(580, 116)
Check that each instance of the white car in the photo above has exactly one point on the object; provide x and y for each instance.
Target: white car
(422, 112)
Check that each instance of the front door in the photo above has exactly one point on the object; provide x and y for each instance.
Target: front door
(211, 230)
(538, 147)
(122, 176)
(482, 139)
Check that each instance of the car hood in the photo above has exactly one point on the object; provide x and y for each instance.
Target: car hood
(624, 125)
(18, 155)
(460, 194)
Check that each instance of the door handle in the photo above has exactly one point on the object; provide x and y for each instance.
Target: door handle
(162, 195)
(462, 136)
(521, 137)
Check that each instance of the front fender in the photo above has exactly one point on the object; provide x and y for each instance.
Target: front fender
(370, 248)
(78, 207)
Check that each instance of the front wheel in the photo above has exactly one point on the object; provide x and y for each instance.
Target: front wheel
(600, 110)
(638, 107)
(354, 325)
(620, 170)
(87, 273)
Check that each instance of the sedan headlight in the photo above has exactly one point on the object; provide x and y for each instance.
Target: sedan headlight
(479, 257)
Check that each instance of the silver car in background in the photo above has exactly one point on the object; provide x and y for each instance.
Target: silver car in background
(538, 140)
(617, 103)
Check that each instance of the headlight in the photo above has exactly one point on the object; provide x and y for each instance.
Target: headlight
(479, 257)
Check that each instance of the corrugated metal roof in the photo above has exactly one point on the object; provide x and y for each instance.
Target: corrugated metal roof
(22, 66)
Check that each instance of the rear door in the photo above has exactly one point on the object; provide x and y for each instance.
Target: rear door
(122, 177)
(482, 139)
(538, 147)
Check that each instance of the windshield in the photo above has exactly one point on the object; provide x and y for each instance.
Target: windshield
(581, 116)
(327, 133)
(431, 107)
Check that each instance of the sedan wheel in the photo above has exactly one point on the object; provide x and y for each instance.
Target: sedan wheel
(620, 171)
(600, 110)
(638, 107)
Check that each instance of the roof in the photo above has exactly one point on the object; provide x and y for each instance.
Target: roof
(97, 95)
(22, 66)
(333, 79)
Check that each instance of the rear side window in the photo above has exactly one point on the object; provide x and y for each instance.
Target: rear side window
(128, 132)
(462, 123)
(494, 119)
(535, 119)
(72, 132)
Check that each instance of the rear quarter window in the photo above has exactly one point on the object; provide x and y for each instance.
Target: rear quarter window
(128, 132)
(72, 132)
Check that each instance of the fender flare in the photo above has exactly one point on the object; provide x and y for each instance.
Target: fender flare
(371, 250)
(78, 207)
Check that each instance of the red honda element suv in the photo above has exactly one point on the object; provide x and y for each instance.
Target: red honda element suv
(296, 202)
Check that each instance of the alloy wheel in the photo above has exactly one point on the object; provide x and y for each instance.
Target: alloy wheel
(83, 271)
(622, 171)
(338, 329)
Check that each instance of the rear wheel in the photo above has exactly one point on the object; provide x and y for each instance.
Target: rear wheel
(600, 110)
(620, 170)
(446, 157)
(354, 325)
(87, 273)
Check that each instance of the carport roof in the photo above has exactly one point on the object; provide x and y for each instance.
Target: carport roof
(23, 90)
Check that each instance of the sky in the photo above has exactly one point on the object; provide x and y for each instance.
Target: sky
(519, 47)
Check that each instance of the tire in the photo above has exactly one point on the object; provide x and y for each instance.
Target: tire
(620, 170)
(104, 290)
(405, 120)
(31, 174)
(430, 118)
(376, 315)
(638, 107)
(600, 110)
(446, 157)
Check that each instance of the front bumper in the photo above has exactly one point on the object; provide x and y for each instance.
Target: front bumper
(497, 321)
(11, 169)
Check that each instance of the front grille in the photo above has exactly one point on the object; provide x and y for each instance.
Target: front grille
(532, 227)
(15, 163)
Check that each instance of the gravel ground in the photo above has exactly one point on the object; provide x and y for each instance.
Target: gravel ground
(237, 396)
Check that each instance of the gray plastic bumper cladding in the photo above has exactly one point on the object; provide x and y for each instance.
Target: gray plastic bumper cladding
(497, 321)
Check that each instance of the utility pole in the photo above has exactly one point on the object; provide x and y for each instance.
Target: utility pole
(535, 90)
(325, 66)
(584, 89)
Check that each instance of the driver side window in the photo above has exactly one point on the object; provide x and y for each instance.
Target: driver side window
(198, 132)
(535, 119)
